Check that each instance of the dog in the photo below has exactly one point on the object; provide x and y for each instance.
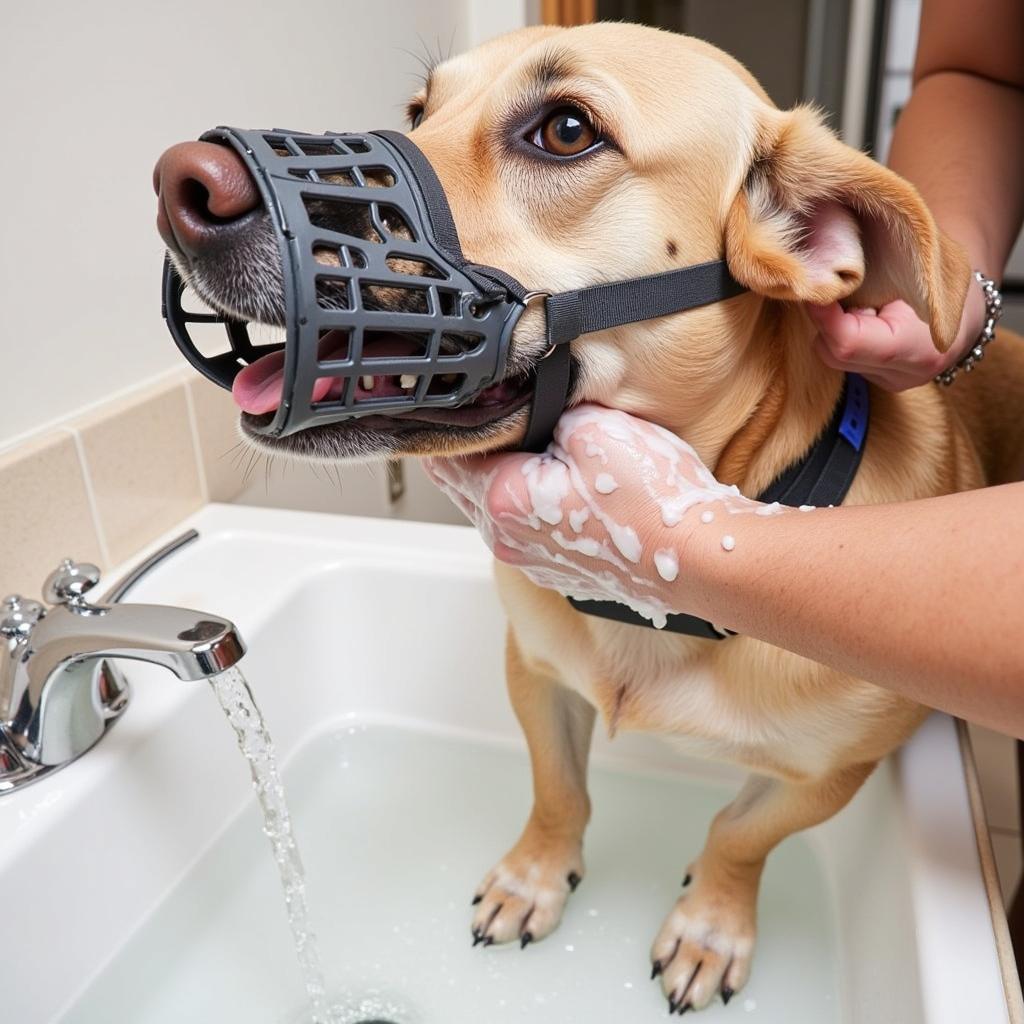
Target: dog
(672, 154)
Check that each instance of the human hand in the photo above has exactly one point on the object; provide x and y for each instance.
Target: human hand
(891, 346)
(608, 512)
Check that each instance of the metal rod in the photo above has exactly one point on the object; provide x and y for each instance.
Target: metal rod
(121, 588)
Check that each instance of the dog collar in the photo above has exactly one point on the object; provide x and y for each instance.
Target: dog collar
(822, 477)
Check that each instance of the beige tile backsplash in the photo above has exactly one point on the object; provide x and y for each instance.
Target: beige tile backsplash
(220, 449)
(140, 455)
(45, 510)
(104, 484)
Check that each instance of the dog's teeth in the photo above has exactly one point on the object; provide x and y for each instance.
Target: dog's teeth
(407, 381)
(367, 383)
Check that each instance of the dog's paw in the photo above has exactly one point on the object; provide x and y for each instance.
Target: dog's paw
(523, 896)
(705, 946)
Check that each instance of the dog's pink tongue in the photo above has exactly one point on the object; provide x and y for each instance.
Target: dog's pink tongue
(257, 388)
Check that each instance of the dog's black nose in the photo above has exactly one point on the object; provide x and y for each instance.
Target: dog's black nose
(201, 188)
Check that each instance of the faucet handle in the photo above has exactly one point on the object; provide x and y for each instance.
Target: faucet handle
(70, 582)
(19, 616)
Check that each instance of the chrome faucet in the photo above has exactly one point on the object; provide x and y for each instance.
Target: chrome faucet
(59, 686)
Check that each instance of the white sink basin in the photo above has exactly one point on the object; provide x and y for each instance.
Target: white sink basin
(137, 887)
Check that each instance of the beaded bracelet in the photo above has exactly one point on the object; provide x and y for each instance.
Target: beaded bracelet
(993, 311)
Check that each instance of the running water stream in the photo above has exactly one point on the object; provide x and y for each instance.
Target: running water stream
(255, 743)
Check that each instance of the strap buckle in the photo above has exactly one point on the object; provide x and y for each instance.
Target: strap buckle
(526, 300)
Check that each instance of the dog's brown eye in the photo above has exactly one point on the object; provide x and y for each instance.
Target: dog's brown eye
(565, 132)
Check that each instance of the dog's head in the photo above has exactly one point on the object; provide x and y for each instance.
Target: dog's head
(575, 156)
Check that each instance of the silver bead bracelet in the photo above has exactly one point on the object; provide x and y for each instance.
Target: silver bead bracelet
(993, 311)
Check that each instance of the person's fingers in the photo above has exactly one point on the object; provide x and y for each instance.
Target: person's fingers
(504, 552)
(891, 347)
(856, 338)
(471, 476)
(827, 317)
(891, 378)
(461, 467)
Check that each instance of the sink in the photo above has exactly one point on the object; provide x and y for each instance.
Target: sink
(137, 886)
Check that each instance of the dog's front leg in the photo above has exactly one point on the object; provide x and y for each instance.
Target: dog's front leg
(706, 943)
(523, 896)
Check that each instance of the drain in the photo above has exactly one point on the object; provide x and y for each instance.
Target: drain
(372, 1008)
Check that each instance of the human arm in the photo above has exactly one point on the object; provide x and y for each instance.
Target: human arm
(960, 141)
(925, 598)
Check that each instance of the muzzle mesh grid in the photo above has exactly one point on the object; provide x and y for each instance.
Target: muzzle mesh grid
(369, 291)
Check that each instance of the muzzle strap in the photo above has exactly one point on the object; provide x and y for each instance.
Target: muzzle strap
(604, 306)
(552, 380)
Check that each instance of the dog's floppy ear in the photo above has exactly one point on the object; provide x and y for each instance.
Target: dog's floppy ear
(817, 221)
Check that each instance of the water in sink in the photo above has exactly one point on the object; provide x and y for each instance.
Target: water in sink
(397, 825)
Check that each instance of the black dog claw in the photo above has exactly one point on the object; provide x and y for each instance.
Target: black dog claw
(476, 900)
(727, 994)
(478, 936)
(687, 880)
(573, 880)
(672, 1004)
(525, 940)
(684, 1008)
(655, 969)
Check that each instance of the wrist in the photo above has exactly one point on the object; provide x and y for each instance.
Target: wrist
(714, 558)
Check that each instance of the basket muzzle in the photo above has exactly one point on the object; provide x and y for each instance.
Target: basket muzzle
(383, 313)
(375, 284)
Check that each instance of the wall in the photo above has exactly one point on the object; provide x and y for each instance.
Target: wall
(898, 66)
(94, 92)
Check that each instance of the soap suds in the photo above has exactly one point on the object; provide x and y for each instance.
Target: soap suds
(774, 509)
(626, 540)
(605, 483)
(707, 516)
(577, 517)
(667, 564)
(728, 542)
(547, 483)
(807, 508)
(584, 545)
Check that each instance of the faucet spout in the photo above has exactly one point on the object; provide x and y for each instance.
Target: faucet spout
(57, 688)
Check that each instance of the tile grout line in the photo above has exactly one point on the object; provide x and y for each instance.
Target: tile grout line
(90, 495)
(197, 448)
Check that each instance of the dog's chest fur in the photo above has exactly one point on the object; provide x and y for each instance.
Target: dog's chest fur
(711, 701)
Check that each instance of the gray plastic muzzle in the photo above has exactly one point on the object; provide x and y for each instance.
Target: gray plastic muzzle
(375, 283)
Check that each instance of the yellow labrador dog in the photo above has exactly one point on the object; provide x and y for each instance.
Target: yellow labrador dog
(672, 154)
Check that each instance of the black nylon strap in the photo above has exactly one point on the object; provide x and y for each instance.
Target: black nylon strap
(490, 280)
(822, 477)
(687, 625)
(550, 391)
(438, 212)
(603, 306)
